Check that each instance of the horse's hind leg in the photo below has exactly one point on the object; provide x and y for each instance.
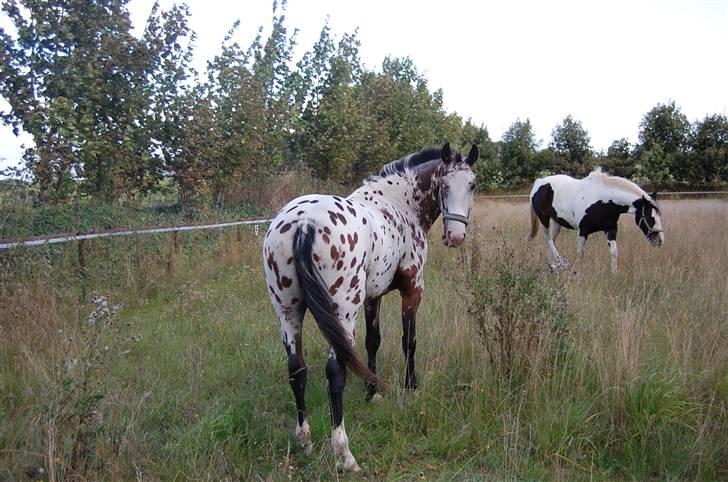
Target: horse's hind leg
(550, 234)
(291, 332)
(372, 341)
(336, 375)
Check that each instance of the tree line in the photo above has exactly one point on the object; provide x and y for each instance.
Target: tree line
(114, 115)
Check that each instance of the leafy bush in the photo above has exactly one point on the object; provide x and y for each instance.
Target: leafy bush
(521, 312)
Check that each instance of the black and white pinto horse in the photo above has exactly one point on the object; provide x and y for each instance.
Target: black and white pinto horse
(331, 255)
(590, 205)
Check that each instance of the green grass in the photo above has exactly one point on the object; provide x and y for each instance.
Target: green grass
(194, 379)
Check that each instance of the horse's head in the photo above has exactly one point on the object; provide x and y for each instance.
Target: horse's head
(647, 217)
(455, 193)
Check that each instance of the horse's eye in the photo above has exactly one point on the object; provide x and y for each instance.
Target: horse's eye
(472, 186)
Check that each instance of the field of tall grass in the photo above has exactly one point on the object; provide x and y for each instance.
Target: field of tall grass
(157, 365)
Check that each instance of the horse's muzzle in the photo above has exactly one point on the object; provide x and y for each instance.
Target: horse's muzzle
(453, 240)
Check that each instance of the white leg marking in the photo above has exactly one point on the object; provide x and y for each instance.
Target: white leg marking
(303, 434)
(580, 246)
(340, 443)
(613, 254)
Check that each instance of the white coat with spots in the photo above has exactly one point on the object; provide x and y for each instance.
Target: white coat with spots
(333, 255)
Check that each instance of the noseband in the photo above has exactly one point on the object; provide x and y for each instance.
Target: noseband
(448, 216)
(643, 220)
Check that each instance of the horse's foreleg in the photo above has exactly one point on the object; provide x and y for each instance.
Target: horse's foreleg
(410, 302)
(581, 243)
(336, 375)
(372, 341)
(612, 241)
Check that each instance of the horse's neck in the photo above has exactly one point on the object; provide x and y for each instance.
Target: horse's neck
(412, 193)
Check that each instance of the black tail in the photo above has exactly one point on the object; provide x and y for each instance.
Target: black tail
(320, 303)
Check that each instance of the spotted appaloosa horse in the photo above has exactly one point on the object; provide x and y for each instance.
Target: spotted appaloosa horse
(332, 255)
(589, 205)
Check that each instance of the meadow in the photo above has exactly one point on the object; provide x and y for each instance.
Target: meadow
(177, 372)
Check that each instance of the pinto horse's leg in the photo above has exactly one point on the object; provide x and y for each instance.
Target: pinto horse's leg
(291, 331)
(372, 341)
(612, 241)
(551, 233)
(411, 297)
(581, 243)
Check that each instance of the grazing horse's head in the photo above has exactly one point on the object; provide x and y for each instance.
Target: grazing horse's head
(647, 217)
(455, 193)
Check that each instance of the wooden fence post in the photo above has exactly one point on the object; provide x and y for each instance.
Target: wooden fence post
(173, 253)
(82, 271)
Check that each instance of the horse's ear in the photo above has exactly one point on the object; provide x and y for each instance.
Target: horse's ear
(654, 196)
(446, 153)
(473, 155)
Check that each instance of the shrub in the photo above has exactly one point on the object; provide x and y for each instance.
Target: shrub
(521, 312)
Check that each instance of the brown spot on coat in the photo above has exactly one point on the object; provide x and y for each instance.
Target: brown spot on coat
(352, 240)
(332, 216)
(335, 287)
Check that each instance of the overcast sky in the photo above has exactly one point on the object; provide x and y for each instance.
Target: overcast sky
(604, 62)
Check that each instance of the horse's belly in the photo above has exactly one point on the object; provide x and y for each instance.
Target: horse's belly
(379, 279)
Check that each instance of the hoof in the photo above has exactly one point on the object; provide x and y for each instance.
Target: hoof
(376, 398)
(348, 466)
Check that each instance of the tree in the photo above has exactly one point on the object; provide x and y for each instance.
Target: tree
(333, 122)
(518, 153)
(666, 127)
(252, 93)
(488, 166)
(570, 146)
(709, 150)
(79, 82)
(619, 160)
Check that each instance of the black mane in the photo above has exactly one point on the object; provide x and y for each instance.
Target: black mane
(413, 160)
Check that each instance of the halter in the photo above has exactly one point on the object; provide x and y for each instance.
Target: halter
(448, 216)
(649, 229)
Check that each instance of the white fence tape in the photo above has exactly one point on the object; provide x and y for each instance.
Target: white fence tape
(62, 238)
